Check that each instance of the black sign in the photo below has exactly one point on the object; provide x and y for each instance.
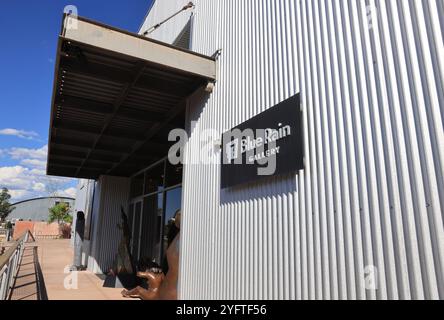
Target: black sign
(269, 144)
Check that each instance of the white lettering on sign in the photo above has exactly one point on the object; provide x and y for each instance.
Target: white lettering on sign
(235, 148)
(264, 154)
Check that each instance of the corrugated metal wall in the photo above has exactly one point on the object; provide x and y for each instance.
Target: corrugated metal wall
(111, 193)
(371, 77)
(161, 10)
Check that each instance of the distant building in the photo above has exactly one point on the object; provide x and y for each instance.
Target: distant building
(36, 209)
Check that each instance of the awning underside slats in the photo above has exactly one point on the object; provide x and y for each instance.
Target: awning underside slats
(111, 112)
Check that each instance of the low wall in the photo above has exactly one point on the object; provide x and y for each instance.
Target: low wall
(42, 230)
(21, 227)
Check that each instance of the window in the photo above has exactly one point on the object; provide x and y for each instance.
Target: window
(156, 195)
(137, 186)
(154, 179)
(173, 175)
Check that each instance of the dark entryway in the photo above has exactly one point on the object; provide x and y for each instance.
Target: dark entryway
(156, 195)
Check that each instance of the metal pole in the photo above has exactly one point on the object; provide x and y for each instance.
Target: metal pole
(153, 28)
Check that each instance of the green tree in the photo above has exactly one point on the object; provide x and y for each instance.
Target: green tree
(60, 213)
(5, 207)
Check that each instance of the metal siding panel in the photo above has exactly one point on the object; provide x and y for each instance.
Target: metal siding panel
(37, 209)
(161, 11)
(113, 192)
(372, 192)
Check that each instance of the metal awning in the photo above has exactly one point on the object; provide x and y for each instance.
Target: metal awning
(116, 96)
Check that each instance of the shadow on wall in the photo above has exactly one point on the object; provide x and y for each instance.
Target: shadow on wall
(265, 187)
(197, 103)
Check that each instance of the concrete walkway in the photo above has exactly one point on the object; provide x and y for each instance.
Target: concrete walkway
(55, 257)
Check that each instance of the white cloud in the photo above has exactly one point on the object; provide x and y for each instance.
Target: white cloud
(70, 192)
(18, 194)
(28, 157)
(19, 133)
(35, 163)
(40, 172)
(26, 153)
(39, 187)
(28, 178)
(10, 172)
(24, 182)
(14, 177)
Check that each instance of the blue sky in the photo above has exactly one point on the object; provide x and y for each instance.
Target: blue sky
(29, 31)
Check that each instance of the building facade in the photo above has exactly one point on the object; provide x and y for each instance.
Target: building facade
(363, 219)
(37, 209)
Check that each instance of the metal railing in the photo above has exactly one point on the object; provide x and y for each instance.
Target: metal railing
(9, 265)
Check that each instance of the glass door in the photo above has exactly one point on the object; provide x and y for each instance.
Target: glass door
(135, 250)
(134, 220)
(173, 203)
(156, 195)
(150, 231)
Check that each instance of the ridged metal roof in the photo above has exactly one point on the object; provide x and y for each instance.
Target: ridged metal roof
(116, 96)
